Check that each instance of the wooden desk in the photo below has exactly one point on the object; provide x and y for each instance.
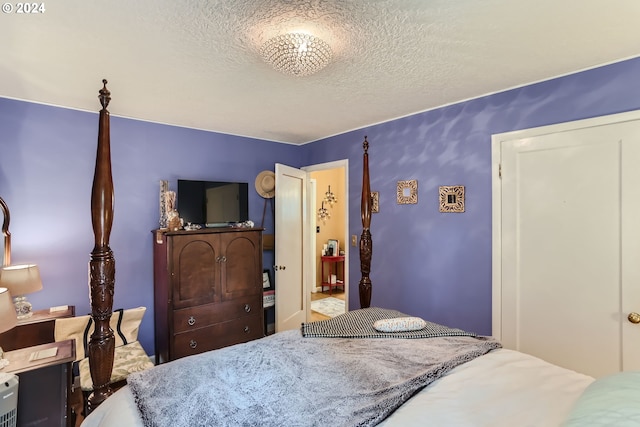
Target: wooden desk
(332, 260)
(44, 385)
(37, 329)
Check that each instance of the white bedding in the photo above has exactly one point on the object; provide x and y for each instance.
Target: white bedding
(502, 388)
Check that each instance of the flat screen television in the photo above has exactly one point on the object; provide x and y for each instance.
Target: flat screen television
(213, 202)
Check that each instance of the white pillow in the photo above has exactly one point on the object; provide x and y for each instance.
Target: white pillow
(399, 324)
(609, 401)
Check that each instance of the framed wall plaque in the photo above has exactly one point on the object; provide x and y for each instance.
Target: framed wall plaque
(375, 202)
(451, 198)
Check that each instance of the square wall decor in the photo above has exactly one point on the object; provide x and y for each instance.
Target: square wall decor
(375, 202)
(451, 198)
(407, 192)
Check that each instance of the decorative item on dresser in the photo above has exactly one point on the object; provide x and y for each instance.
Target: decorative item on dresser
(208, 290)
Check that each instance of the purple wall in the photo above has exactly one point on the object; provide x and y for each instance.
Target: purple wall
(425, 263)
(47, 157)
(438, 265)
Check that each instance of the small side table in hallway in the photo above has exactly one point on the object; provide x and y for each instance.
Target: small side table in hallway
(336, 262)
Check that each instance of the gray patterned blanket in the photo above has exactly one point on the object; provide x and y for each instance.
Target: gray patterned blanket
(359, 324)
(288, 380)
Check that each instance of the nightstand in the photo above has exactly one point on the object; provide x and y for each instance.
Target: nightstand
(37, 329)
(326, 280)
(45, 384)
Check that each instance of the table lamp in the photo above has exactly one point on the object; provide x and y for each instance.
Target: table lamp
(21, 280)
(8, 319)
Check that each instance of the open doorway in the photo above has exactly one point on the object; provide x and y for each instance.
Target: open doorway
(330, 242)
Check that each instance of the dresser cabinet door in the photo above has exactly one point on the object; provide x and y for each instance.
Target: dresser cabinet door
(241, 269)
(195, 269)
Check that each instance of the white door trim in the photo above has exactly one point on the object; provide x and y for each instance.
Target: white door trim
(345, 212)
(496, 190)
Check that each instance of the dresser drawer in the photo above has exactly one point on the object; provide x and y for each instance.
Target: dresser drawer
(218, 335)
(200, 316)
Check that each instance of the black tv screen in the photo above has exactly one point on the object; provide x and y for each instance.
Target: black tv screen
(212, 202)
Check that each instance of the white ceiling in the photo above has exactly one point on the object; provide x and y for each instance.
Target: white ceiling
(197, 64)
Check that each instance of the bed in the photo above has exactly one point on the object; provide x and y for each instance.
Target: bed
(387, 368)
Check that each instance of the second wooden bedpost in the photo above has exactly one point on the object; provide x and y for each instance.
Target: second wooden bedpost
(366, 245)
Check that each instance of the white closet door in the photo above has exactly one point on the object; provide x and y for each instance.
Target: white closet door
(569, 246)
(630, 298)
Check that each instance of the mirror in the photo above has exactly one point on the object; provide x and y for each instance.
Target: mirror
(5, 244)
(407, 192)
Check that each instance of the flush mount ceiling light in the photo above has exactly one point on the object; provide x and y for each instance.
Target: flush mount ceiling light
(297, 54)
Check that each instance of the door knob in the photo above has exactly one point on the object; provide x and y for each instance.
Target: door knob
(634, 317)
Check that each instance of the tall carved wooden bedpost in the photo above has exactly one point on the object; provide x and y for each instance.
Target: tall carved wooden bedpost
(101, 346)
(366, 246)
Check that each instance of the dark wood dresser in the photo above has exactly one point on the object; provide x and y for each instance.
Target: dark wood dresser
(207, 290)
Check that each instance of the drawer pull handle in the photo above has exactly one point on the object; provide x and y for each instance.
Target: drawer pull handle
(247, 308)
(191, 321)
(246, 330)
(193, 344)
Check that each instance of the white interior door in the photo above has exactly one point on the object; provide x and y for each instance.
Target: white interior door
(630, 261)
(291, 241)
(567, 251)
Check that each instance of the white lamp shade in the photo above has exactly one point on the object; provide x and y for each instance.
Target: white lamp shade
(8, 318)
(20, 279)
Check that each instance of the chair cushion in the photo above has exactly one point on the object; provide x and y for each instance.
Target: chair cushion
(124, 323)
(127, 359)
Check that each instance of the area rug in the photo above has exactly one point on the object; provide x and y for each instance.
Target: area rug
(329, 306)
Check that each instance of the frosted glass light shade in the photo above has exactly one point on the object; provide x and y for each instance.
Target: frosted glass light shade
(297, 54)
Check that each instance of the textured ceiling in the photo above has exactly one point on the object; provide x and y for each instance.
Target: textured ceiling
(197, 64)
